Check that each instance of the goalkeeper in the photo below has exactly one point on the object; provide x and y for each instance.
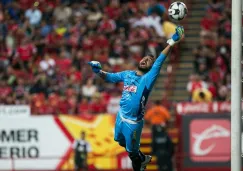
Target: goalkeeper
(137, 87)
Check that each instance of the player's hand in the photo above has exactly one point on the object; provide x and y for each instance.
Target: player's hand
(96, 66)
(177, 36)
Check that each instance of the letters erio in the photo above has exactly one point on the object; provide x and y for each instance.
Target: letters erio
(18, 143)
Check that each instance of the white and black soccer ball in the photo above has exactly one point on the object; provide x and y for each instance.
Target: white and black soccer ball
(177, 11)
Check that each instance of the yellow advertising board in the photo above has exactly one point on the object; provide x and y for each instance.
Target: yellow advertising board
(106, 153)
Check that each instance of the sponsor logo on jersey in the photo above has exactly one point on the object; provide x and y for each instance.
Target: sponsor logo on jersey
(130, 88)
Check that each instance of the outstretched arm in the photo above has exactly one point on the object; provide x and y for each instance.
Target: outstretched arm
(160, 60)
(102, 74)
(109, 77)
(155, 70)
(112, 77)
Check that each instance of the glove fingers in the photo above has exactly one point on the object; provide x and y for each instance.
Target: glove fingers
(180, 30)
(95, 65)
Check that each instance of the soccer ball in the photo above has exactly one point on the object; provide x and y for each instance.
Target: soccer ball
(177, 10)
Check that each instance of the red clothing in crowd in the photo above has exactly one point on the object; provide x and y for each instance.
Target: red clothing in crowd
(97, 107)
(112, 12)
(74, 39)
(5, 91)
(107, 25)
(87, 55)
(63, 106)
(221, 63)
(64, 64)
(25, 4)
(214, 76)
(25, 52)
(213, 90)
(196, 85)
(76, 76)
(88, 43)
(208, 23)
(83, 108)
(47, 109)
(101, 42)
(53, 38)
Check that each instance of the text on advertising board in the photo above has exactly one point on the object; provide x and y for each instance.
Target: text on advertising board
(19, 136)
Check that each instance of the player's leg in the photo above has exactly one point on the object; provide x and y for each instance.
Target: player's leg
(118, 136)
(132, 133)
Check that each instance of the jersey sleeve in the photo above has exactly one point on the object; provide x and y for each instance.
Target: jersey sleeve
(115, 77)
(152, 75)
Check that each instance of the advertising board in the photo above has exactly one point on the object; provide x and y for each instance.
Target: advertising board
(205, 142)
(207, 108)
(33, 142)
(14, 111)
(45, 143)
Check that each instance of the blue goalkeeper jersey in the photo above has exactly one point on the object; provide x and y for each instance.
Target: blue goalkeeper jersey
(136, 89)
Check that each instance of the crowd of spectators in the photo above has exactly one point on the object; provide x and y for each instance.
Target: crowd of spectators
(212, 80)
(45, 46)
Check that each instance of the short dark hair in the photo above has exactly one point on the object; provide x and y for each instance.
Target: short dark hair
(151, 55)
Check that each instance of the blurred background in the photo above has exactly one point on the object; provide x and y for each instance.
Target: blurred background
(49, 96)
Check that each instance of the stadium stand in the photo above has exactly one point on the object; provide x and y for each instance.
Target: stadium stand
(212, 53)
(45, 46)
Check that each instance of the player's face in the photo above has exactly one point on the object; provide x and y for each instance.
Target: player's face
(146, 63)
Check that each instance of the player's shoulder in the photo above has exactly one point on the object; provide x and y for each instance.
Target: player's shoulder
(128, 72)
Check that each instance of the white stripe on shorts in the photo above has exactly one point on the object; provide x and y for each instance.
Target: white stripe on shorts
(128, 120)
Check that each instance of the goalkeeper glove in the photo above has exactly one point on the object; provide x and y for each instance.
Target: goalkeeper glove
(176, 36)
(96, 66)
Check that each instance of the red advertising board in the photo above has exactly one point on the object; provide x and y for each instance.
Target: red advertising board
(204, 142)
(207, 108)
(204, 136)
(209, 140)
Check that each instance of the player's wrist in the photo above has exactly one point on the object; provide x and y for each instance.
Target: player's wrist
(171, 42)
(99, 72)
(102, 74)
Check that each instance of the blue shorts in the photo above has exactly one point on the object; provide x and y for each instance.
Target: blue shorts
(128, 133)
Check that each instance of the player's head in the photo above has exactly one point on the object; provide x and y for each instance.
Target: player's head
(82, 135)
(146, 63)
